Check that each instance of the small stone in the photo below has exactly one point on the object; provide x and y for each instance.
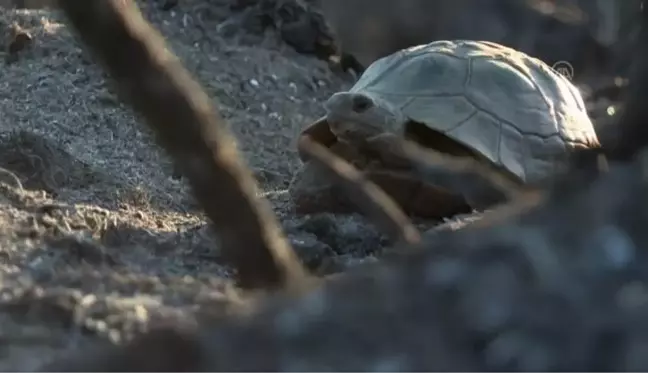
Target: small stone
(309, 249)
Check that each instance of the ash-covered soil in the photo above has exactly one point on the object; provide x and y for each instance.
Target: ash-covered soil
(99, 239)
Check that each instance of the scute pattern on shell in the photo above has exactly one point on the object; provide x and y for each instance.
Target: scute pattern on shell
(511, 108)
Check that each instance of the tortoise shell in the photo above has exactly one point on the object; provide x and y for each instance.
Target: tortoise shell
(508, 108)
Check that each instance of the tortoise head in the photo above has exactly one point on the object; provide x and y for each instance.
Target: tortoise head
(352, 118)
(355, 117)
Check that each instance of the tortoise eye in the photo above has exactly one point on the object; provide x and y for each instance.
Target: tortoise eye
(361, 103)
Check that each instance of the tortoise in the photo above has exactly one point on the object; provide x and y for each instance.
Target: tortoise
(465, 98)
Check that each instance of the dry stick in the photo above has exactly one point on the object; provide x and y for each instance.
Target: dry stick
(369, 197)
(158, 87)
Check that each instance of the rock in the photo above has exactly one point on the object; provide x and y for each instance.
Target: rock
(310, 250)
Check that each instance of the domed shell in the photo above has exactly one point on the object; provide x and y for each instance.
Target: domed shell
(511, 108)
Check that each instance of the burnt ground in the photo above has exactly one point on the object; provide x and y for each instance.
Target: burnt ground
(98, 237)
(99, 240)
